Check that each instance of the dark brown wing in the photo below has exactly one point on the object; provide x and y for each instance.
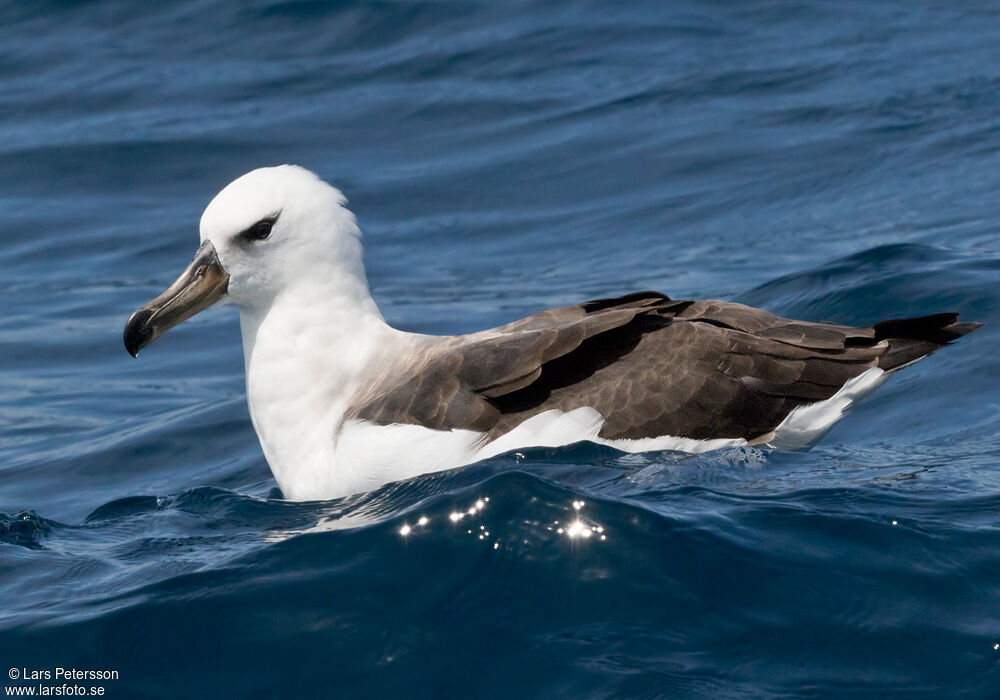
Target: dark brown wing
(651, 366)
(460, 382)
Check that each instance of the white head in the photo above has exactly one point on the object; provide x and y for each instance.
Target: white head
(270, 232)
(281, 227)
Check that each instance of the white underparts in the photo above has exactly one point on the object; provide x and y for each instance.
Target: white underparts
(368, 455)
(548, 429)
(556, 429)
(675, 444)
(807, 424)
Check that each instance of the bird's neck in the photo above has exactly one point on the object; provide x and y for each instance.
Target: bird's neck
(306, 355)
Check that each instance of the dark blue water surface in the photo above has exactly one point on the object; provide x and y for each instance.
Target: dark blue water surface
(825, 160)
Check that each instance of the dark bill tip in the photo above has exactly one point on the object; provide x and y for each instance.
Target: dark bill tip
(138, 334)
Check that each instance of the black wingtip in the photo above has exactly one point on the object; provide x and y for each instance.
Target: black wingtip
(937, 328)
(913, 338)
(960, 329)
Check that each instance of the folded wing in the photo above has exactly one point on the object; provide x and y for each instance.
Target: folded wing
(651, 366)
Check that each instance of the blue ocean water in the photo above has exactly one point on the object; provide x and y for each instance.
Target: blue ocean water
(824, 160)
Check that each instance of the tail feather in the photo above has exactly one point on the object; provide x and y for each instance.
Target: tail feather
(913, 338)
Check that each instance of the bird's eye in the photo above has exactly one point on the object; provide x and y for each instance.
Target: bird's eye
(259, 231)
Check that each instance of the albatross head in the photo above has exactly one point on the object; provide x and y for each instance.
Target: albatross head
(269, 232)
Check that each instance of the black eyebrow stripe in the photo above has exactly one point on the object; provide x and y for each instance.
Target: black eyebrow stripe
(270, 218)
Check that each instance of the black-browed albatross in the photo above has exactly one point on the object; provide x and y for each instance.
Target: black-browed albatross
(342, 402)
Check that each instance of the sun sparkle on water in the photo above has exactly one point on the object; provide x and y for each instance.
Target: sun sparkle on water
(577, 529)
